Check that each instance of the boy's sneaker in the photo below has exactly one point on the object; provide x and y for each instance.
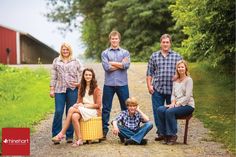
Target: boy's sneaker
(129, 142)
(122, 139)
(143, 142)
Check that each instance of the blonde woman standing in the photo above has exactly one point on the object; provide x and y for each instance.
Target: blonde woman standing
(65, 78)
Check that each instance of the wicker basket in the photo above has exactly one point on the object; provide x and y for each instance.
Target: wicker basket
(91, 129)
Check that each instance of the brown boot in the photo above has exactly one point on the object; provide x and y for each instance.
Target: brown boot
(159, 138)
(172, 140)
(166, 140)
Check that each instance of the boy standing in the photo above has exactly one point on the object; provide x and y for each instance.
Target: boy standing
(127, 124)
(115, 62)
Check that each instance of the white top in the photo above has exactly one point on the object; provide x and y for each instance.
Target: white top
(88, 99)
(182, 92)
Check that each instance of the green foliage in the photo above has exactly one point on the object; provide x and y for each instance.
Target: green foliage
(24, 97)
(210, 27)
(214, 95)
(140, 22)
(201, 30)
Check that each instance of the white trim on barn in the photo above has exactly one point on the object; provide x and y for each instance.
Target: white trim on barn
(17, 48)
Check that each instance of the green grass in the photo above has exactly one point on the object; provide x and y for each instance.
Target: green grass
(215, 103)
(24, 97)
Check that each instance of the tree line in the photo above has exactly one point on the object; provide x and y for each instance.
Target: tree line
(201, 30)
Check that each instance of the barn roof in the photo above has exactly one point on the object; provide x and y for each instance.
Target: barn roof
(29, 36)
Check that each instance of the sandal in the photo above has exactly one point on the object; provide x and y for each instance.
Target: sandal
(57, 138)
(77, 143)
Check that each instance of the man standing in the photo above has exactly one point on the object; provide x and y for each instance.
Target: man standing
(160, 75)
(115, 62)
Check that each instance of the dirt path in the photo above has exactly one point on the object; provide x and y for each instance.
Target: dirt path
(199, 143)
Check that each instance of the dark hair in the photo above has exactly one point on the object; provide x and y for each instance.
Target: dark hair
(93, 83)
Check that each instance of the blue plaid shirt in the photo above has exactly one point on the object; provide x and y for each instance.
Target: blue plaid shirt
(162, 69)
(118, 77)
(130, 122)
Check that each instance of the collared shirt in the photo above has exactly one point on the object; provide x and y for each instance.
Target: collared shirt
(63, 74)
(118, 77)
(162, 69)
(131, 122)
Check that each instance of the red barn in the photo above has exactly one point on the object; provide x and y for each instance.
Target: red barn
(21, 48)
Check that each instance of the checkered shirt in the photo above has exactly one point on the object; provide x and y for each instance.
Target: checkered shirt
(162, 69)
(131, 122)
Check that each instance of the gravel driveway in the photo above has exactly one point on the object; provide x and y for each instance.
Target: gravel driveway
(199, 143)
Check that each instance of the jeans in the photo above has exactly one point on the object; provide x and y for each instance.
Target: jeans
(136, 135)
(158, 100)
(167, 122)
(107, 97)
(67, 99)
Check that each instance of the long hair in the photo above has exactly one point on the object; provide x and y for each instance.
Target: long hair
(93, 83)
(69, 48)
(186, 67)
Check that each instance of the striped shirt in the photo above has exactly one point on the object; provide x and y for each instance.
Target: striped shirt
(162, 69)
(118, 77)
(130, 122)
(62, 74)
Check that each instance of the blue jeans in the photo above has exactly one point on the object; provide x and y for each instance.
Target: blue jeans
(158, 100)
(136, 135)
(67, 99)
(167, 122)
(107, 97)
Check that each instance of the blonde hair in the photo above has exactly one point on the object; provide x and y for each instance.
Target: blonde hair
(186, 67)
(164, 36)
(69, 48)
(132, 101)
(114, 33)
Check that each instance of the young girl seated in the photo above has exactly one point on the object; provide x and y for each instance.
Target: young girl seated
(88, 106)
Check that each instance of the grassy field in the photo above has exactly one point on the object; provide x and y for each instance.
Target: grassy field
(24, 97)
(215, 103)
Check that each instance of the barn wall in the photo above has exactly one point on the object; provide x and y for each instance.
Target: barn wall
(7, 41)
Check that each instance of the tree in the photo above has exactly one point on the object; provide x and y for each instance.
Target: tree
(141, 23)
(210, 27)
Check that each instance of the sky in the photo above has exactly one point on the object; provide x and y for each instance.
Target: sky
(28, 16)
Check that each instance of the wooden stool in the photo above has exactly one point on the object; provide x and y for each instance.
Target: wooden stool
(91, 129)
(187, 118)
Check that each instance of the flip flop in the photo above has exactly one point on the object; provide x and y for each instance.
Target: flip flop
(57, 138)
(77, 143)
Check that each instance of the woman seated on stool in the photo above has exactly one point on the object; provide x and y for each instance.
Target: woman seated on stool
(182, 104)
(88, 106)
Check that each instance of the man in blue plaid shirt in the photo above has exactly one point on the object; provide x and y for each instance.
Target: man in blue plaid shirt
(160, 75)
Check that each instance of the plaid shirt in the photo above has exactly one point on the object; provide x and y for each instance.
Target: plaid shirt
(131, 122)
(62, 74)
(162, 69)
